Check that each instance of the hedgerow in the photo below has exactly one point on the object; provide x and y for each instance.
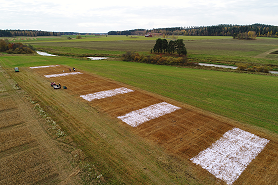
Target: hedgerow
(15, 48)
(249, 68)
(157, 59)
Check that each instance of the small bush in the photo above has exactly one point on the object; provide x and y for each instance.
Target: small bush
(242, 67)
(245, 67)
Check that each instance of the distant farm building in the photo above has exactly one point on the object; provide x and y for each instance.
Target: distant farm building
(153, 34)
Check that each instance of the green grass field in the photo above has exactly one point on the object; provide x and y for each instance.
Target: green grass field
(247, 98)
(200, 48)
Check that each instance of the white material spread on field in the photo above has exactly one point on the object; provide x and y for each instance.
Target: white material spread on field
(228, 157)
(43, 66)
(62, 74)
(136, 118)
(105, 94)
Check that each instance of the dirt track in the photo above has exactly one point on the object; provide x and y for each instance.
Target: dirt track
(185, 132)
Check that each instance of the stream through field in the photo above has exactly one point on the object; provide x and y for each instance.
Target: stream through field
(201, 64)
(229, 67)
(45, 54)
(51, 55)
(214, 65)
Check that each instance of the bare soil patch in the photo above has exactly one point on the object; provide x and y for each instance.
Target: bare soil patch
(184, 133)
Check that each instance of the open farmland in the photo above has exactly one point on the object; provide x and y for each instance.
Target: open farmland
(200, 48)
(167, 147)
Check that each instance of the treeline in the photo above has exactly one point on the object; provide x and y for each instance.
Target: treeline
(15, 48)
(128, 32)
(5, 33)
(28, 33)
(35, 33)
(261, 30)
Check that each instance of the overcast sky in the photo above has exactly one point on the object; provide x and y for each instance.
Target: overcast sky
(102, 16)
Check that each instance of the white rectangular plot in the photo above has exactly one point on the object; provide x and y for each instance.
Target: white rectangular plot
(105, 94)
(228, 157)
(140, 116)
(37, 67)
(62, 74)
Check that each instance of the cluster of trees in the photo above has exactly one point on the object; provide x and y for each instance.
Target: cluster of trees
(15, 48)
(173, 46)
(157, 59)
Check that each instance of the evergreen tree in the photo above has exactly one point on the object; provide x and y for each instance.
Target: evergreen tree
(158, 46)
(180, 47)
(171, 47)
(164, 45)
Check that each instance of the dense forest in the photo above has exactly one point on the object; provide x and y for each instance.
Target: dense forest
(28, 33)
(35, 33)
(261, 30)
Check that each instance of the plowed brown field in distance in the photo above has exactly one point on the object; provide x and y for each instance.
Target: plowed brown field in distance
(185, 132)
(26, 151)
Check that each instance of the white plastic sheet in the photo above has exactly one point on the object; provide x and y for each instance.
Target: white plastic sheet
(37, 67)
(105, 94)
(62, 74)
(228, 157)
(136, 118)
